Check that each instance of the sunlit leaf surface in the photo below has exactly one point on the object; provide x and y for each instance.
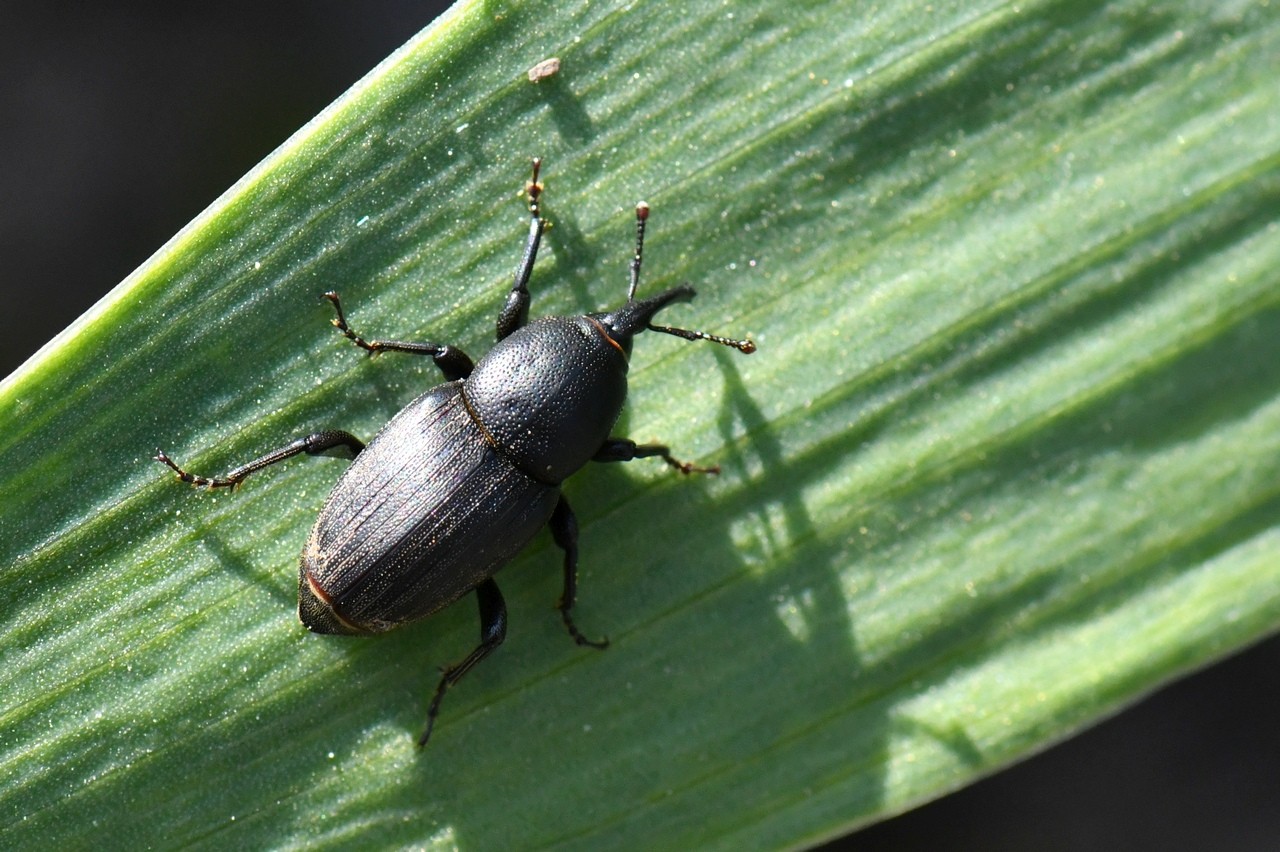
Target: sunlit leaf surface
(1006, 459)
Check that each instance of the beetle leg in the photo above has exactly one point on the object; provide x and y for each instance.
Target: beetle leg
(622, 449)
(452, 361)
(564, 529)
(493, 629)
(319, 443)
(515, 313)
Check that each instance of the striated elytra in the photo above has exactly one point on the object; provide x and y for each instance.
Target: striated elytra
(465, 475)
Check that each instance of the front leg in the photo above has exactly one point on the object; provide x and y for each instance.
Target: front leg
(564, 529)
(622, 449)
(452, 361)
(515, 313)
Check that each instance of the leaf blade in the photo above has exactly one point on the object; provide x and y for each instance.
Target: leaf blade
(984, 253)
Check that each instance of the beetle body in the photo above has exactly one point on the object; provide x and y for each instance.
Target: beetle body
(450, 512)
(465, 476)
(454, 485)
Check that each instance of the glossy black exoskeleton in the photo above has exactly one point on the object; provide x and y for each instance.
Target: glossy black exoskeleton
(464, 476)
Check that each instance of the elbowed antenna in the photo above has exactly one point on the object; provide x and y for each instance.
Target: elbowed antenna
(642, 216)
(637, 315)
(746, 345)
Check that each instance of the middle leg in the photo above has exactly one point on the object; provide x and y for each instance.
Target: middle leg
(564, 529)
(515, 313)
(622, 449)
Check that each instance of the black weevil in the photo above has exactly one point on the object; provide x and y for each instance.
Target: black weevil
(464, 476)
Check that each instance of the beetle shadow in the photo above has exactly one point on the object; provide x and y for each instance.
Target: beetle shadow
(382, 385)
(806, 598)
(234, 560)
(577, 259)
(799, 600)
(567, 112)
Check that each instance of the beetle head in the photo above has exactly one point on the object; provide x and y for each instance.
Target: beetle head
(637, 316)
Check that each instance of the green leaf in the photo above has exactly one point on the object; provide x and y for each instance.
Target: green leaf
(1007, 459)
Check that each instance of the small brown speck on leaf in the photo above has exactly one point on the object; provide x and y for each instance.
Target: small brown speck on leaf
(544, 69)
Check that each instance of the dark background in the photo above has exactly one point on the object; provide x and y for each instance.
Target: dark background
(118, 125)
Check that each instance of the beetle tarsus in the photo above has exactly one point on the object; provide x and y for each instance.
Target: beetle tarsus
(340, 323)
(576, 634)
(195, 479)
(533, 189)
(687, 468)
(434, 709)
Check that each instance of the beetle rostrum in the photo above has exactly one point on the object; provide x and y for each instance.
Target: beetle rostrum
(464, 476)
